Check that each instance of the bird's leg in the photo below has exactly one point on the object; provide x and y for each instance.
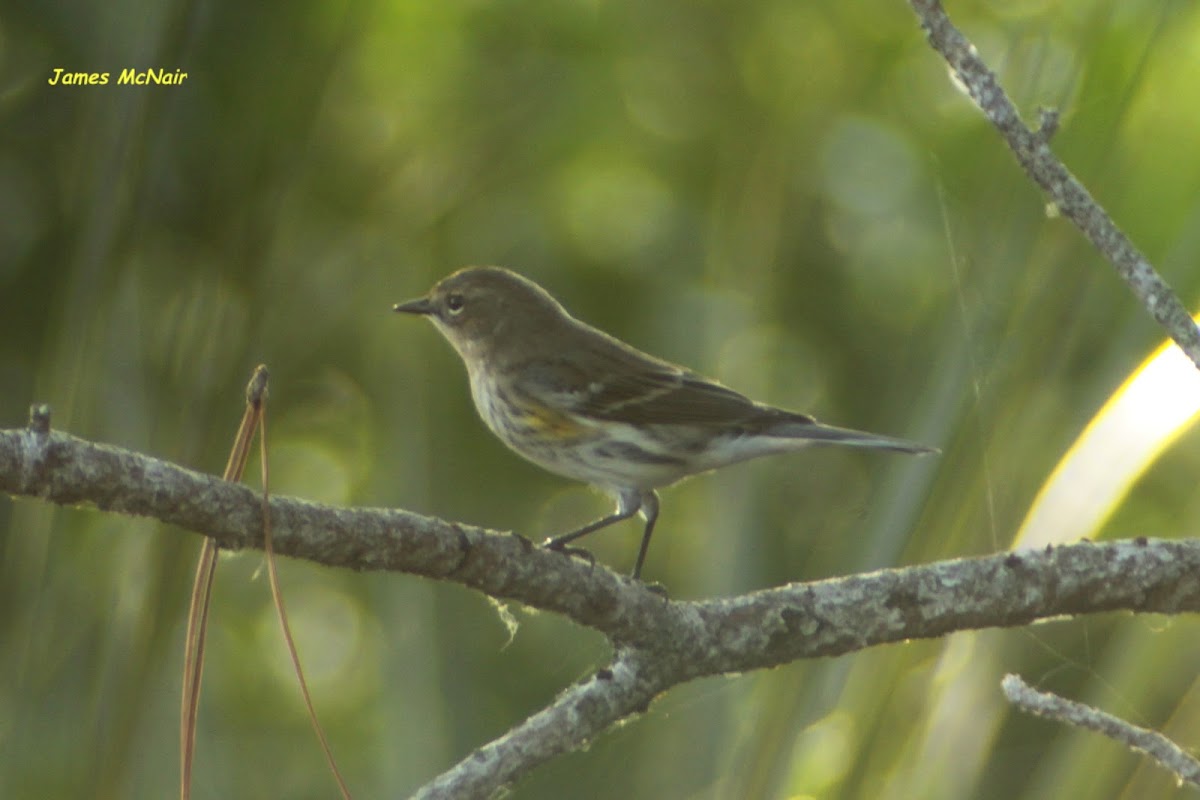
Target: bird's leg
(559, 542)
(628, 504)
(649, 509)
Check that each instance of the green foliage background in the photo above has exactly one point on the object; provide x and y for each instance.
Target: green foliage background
(789, 196)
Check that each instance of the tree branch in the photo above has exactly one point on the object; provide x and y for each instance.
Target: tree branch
(1033, 153)
(659, 643)
(1152, 743)
(569, 723)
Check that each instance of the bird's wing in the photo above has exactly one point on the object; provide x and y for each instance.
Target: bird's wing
(623, 386)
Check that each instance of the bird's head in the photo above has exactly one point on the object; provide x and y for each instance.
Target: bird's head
(488, 313)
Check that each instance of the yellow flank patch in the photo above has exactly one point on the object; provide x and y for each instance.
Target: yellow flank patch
(554, 424)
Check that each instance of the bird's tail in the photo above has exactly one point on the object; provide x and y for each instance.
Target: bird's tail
(816, 433)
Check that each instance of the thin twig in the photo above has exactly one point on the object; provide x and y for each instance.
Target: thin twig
(1033, 153)
(1152, 743)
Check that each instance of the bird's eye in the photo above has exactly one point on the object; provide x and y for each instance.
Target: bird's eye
(455, 303)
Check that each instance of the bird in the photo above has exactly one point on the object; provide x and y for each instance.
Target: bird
(584, 405)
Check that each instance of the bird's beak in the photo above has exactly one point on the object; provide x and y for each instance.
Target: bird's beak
(422, 305)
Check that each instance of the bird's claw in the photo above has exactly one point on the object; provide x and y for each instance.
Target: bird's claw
(561, 547)
(656, 588)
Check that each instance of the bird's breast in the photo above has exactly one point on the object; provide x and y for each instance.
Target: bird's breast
(518, 419)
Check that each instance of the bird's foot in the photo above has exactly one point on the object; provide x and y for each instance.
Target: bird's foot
(559, 546)
(655, 588)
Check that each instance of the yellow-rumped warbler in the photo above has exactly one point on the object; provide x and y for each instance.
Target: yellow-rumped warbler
(578, 402)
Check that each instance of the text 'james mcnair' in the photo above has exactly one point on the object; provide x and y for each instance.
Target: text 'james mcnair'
(144, 77)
